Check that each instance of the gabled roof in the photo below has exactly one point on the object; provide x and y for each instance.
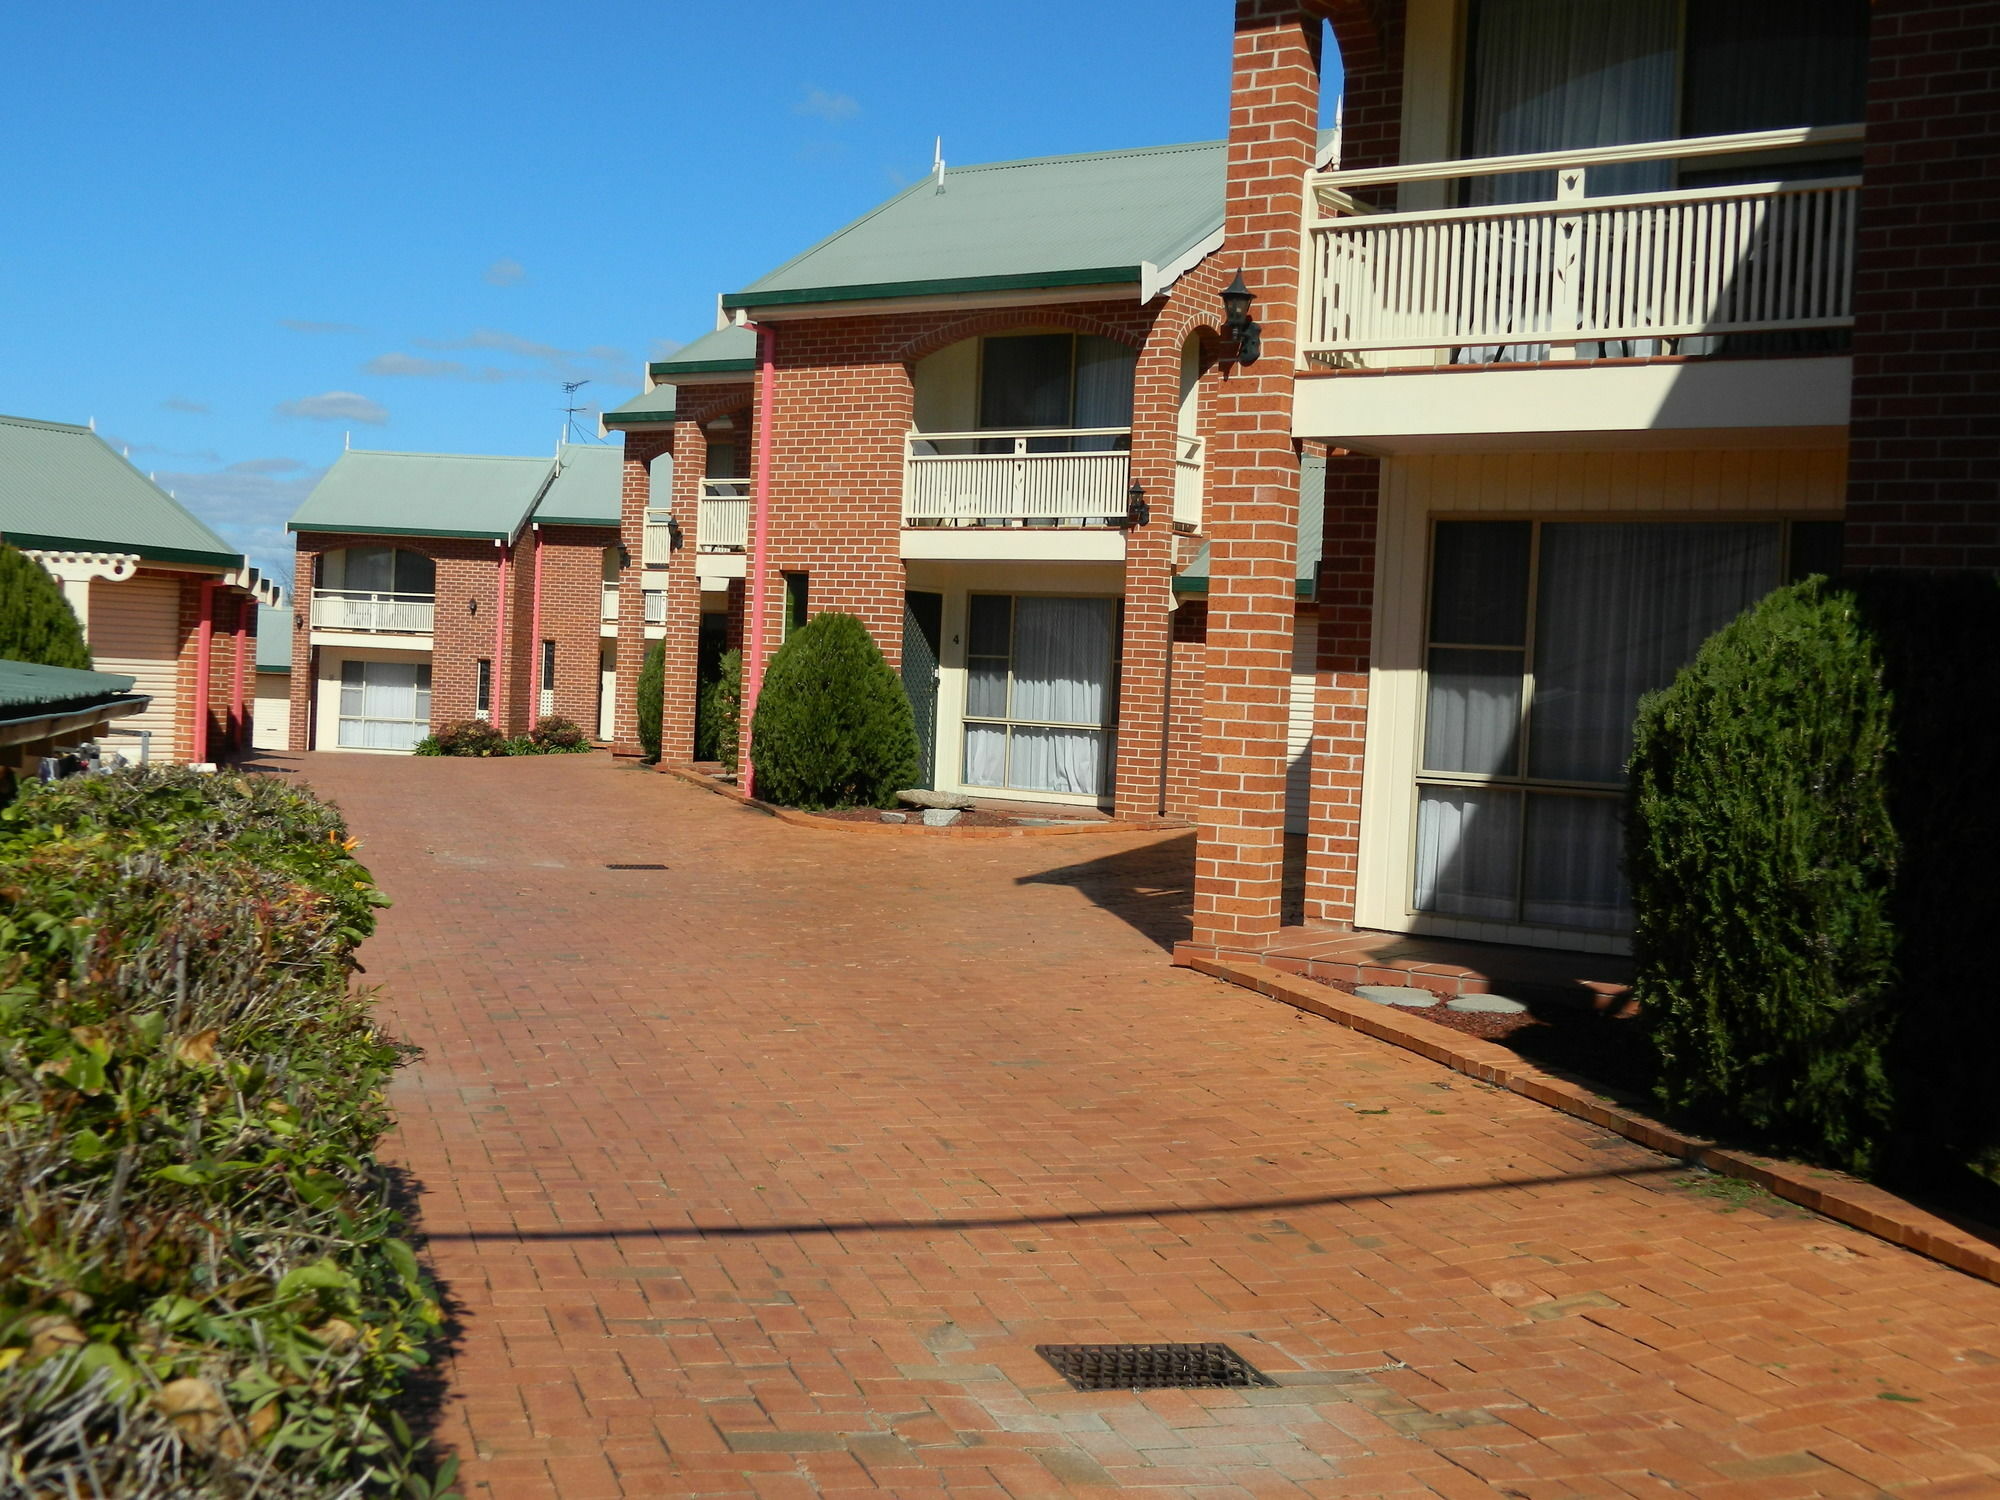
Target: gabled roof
(1050, 221)
(656, 405)
(726, 350)
(274, 638)
(588, 486)
(425, 494)
(62, 486)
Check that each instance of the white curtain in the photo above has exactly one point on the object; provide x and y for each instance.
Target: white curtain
(1061, 652)
(1468, 851)
(1472, 719)
(1103, 390)
(1062, 660)
(985, 755)
(384, 705)
(1571, 867)
(1057, 760)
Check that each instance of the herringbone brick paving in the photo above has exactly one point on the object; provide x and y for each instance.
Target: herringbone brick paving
(763, 1174)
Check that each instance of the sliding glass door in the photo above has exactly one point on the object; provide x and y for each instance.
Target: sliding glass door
(384, 705)
(1038, 695)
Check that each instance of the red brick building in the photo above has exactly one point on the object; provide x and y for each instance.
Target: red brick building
(988, 403)
(435, 588)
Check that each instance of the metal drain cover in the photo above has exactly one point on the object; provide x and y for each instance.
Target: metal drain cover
(1150, 1367)
(635, 867)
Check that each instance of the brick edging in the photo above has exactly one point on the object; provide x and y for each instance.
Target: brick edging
(1838, 1196)
(799, 819)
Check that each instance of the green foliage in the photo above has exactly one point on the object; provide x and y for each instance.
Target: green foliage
(466, 737)
(719, 714)
(651, 690)
(554, 735)
(36, 622)
(833, 725)
(1761, 855)
(202, 1288)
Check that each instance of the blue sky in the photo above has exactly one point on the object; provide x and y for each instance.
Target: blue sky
(236, 232)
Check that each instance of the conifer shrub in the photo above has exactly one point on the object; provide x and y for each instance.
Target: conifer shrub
(555, 735)
(833, 726)
(1812, 816)
(718, 714)
(465, 737)
(650, 691)
(36, 622)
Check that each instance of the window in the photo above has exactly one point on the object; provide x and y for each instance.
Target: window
(482, 694)
(378, 570)
(1038, 693)
(797, 589)
(1543, 636)
(547, 700)
(656, 546)
(1057, 380)
(384, 705)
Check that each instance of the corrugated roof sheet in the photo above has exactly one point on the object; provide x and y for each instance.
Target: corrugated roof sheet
(731, 346)
(27, 684)
(1054, 214)
(274, 638)
(656, 405)
(587, 489)
(63, 486)
(424, 494)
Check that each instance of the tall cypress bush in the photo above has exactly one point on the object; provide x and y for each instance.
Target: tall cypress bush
(650, 690)
(833, 726)
(36, 622)
(718, 713)
(1761, 857)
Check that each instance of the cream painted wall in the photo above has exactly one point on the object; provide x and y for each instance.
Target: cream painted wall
(1418, 489)
(946, 391)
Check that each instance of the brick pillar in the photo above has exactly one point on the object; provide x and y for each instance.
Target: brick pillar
(299, 733)
(1251, 513)
(1346, 606)
(1923, 489)
(641, 447)
(684, 596)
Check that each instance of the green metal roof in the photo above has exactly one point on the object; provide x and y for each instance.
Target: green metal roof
(1193, 579)
(26, 685)
(727, 349)
(63, 486)
(1048, 221)
(424, 494)
(588, 487)
(274, 638)
(656, 405)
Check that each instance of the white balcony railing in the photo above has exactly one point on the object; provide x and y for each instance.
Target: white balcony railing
(722, 523)
(655, 601)
(1072, 476)
(657, 544)
(363, 609)
(609, 607)
(1188, 480)
(1536, 280)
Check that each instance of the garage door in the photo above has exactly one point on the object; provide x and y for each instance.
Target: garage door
(1299, 724)
(135, 629)
(271, 716)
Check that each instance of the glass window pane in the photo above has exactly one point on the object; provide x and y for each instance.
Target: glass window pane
(1774, 65)
(1468, 851)
(1062, 660)
(1571, 872)
(350, 687)
(991, 625)
(1472, 712)
(1479, 583)
(1620, 608)
(985, 755)
(1057, 760)
(414, 573)
(1024, 380)
(371, 568)
(986, 688)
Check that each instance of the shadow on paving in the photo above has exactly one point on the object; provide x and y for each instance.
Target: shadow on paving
(1150, 888)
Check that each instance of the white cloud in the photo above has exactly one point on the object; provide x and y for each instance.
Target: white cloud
(832, 108)
(136, 450)
(249, 507)
(666, 348)
(300, 325)
(416, 366)
(506, 271)
(335, 406)
(265, 466)
(183, 403)
(544, 361)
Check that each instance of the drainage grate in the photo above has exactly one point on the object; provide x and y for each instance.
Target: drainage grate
(635, 867)
(1150, 1367)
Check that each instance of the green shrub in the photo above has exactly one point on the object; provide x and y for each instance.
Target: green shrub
(202, 1292)
(833, 726)
(36, 622)
(1760, 854)
(651, 690)
(469, 737)
(719, 714)
(554, 735)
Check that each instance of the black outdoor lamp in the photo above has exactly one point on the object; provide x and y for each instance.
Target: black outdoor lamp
(1137, 511)
(1236, 300)
(673, 534)
(624, 556)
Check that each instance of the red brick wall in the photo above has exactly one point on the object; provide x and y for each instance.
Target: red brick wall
(1187, 698)
(1346, 603)
(572, 616)
(1924, 490)
(224, 736)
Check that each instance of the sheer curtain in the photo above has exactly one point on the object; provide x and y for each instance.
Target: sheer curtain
(384, 705)
(1103, 390)
(1062, 676)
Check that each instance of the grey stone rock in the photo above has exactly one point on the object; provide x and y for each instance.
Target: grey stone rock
(919, 797)
(1409, 996)
(1486, 1005)
(940, 817)
(895, 817)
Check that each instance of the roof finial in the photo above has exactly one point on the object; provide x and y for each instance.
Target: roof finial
(937, 163)
(91, 423)
(347, 440)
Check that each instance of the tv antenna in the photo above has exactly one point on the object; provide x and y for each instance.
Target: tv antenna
(571, 431)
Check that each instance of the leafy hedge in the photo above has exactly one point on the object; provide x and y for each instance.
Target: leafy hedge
(718, 714)
(201, 1288)
(552, 735)
(1812, 817)
(833, 725)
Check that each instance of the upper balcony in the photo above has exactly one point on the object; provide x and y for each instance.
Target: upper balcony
(1756, 266)
(722, 521)
(373, 612)
(1025, 477)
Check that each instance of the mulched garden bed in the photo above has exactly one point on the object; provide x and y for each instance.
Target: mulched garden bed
(1599, 1038)
(971, 817)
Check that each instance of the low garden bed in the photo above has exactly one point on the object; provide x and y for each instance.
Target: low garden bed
(202, 1288)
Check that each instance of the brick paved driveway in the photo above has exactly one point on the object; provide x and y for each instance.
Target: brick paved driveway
(764, 1173)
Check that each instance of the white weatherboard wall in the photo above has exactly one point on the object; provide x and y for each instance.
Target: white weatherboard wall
(135, 629)
(1738, 484)
(1299, 723)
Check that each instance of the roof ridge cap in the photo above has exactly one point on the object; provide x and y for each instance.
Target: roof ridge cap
(1070, 156)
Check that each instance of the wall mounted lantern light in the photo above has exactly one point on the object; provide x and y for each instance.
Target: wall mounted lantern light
(673, 534)
(1137, 511)
(472, 606)
(624, 556)
(1236, 300)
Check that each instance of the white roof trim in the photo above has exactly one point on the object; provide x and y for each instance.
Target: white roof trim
(1153, 280)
